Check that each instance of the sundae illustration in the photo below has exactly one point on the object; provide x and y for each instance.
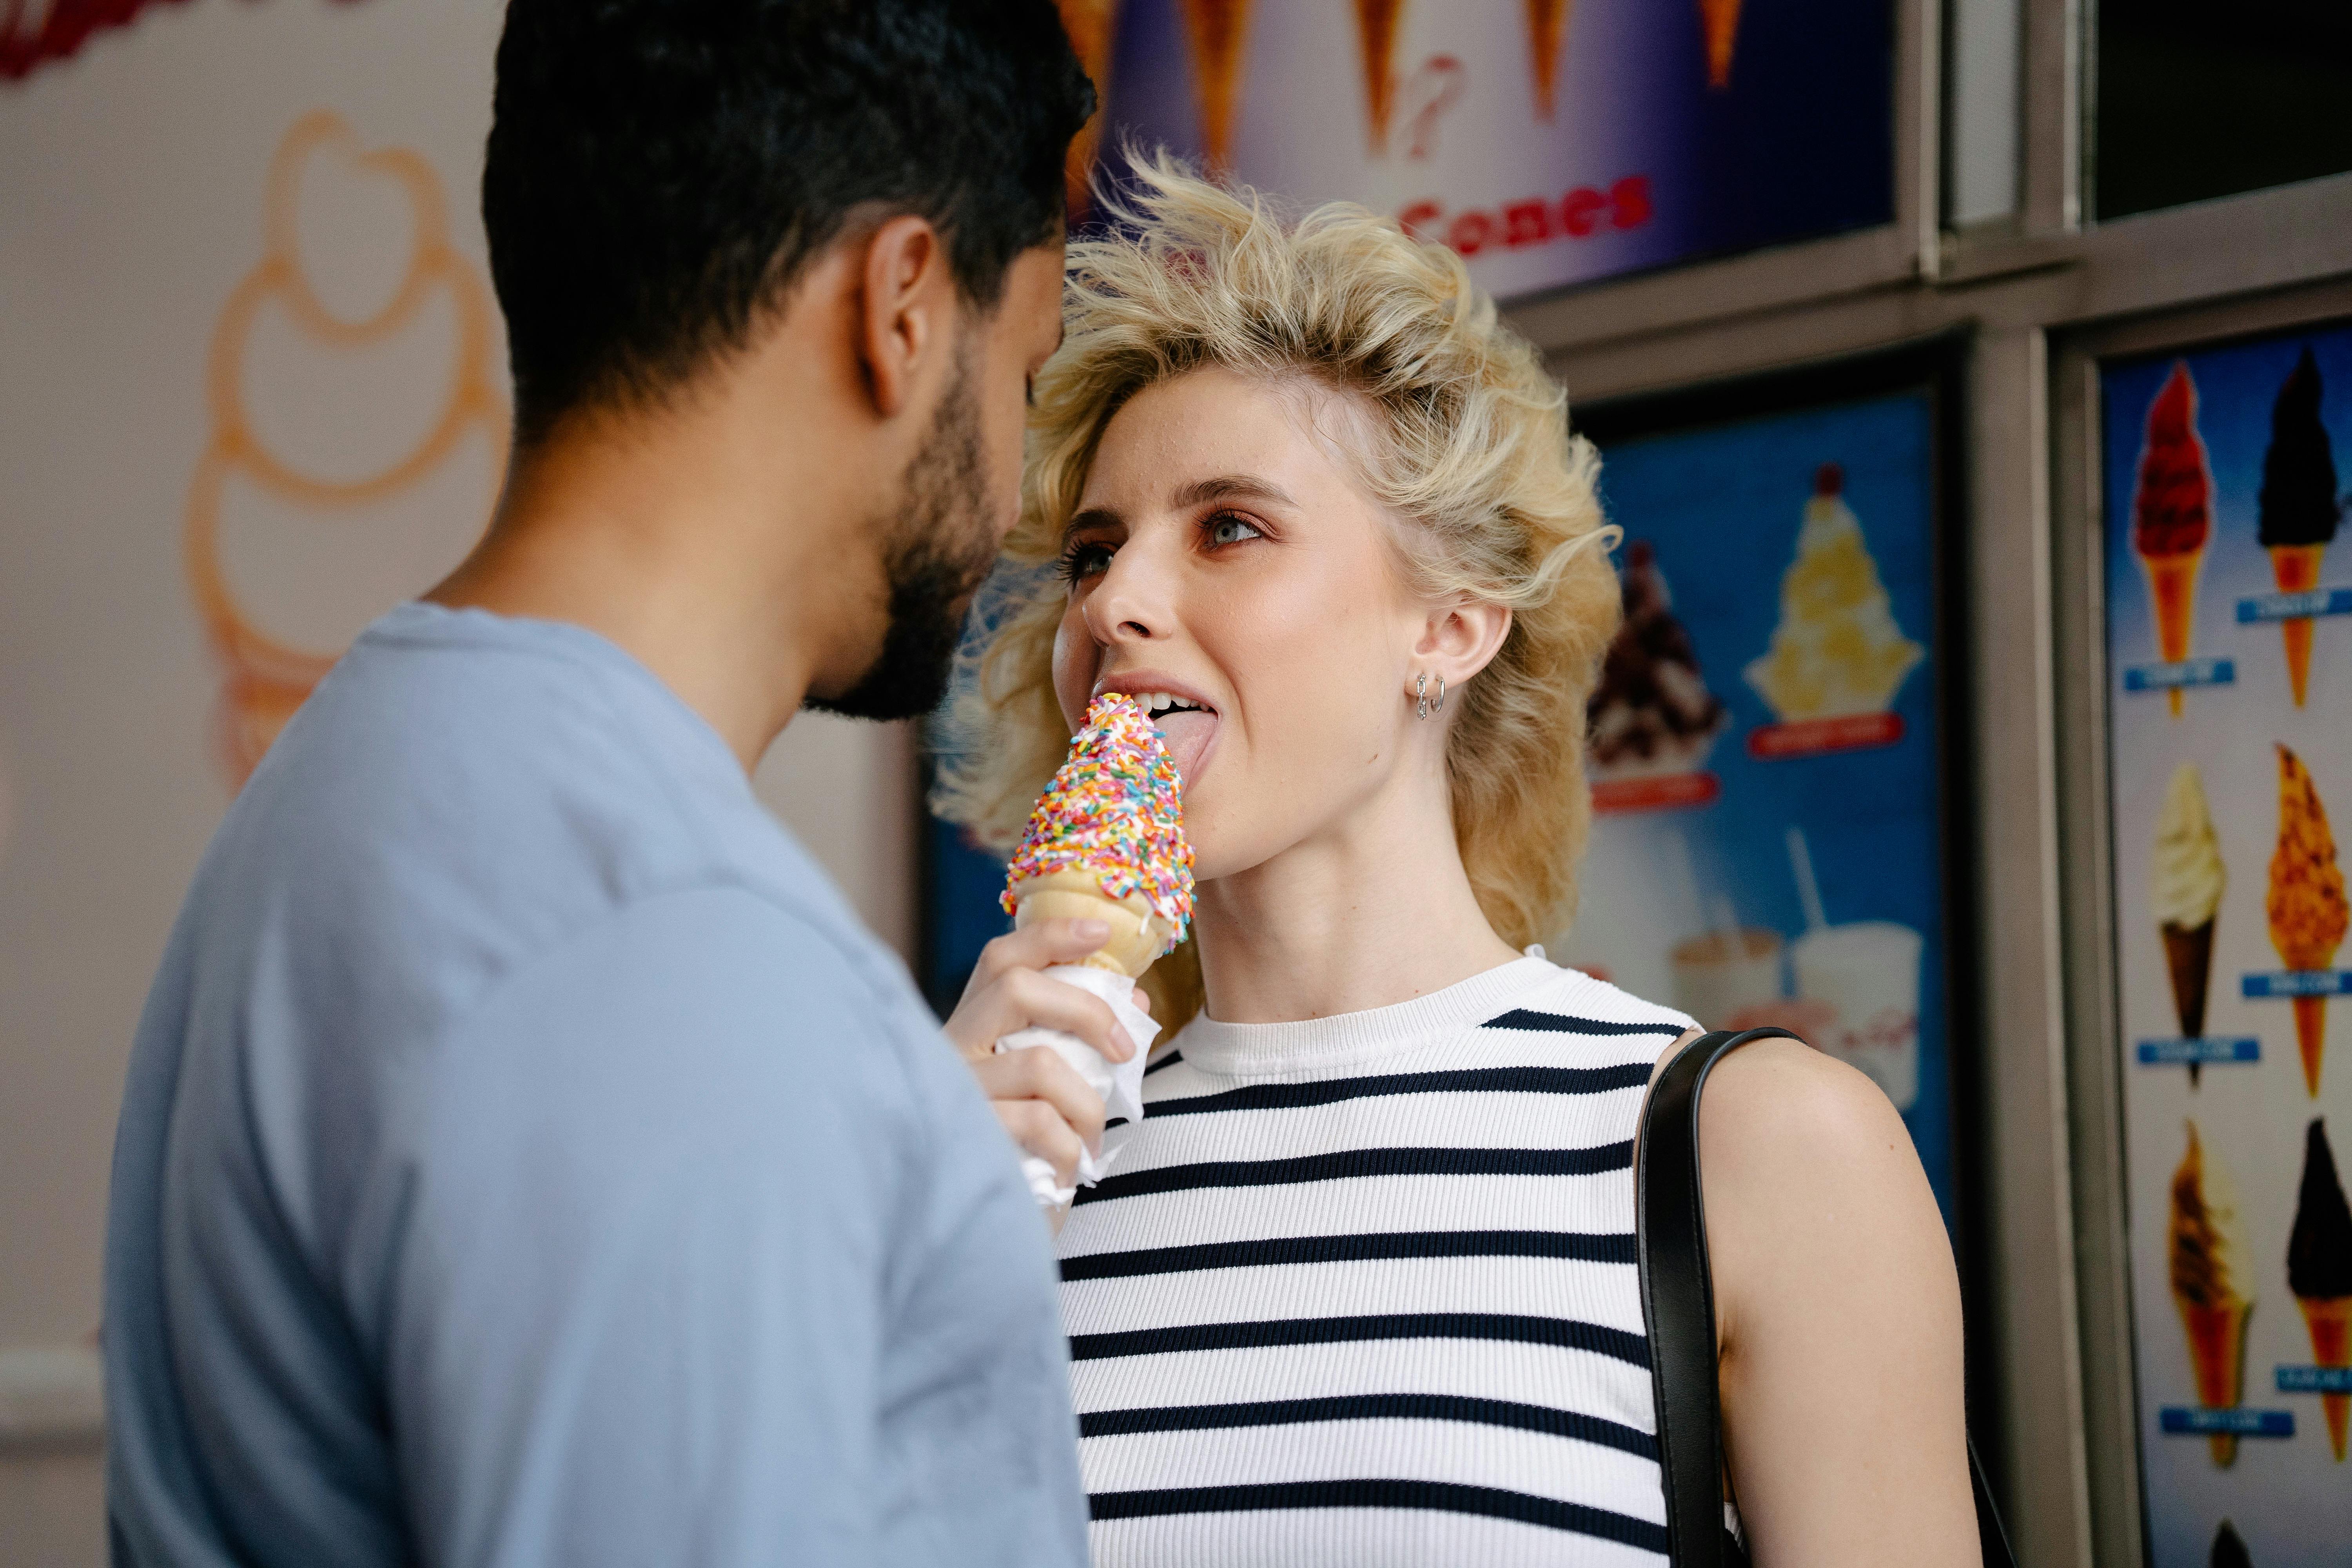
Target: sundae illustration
(2306, 907)
(2172, 514)
(1376, 32)
(1547, 28)
(1216, 31)
(2185, 884)
(1652, 713)
(2319, 1269)
(1720, 18)
(1837, 649)
(1106, 842)
(268, 673)
(2299, 509)
(2208, 1271)
(1092, 25)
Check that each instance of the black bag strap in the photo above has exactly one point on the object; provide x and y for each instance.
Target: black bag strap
(1678, 1312)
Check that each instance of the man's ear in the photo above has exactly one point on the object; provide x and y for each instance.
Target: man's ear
(1461, 638)
(906, 293)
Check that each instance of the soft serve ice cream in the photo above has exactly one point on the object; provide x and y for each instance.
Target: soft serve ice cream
(2186, 879)
(2208, 1267)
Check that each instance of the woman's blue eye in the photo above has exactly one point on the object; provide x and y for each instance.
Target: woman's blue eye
(1083, 561)
(1227, 529)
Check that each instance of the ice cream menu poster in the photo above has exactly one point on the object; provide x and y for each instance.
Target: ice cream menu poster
(2229, 695)
(1766, 762)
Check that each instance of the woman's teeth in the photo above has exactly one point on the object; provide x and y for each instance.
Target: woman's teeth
(1157, 702)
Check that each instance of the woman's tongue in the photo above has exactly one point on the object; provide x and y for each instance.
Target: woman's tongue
(1186, 735)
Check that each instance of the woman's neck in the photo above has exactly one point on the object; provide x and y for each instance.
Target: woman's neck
(1374, 911)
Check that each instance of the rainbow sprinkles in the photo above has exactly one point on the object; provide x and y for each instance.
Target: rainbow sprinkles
(1115, 812)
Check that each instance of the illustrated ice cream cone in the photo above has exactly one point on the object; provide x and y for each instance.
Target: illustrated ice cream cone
(2186, 879)
(2207, 1256)
(2172, 514)
(1720, 18)
(2319, 1270)
(2298, 506)
(1376, 35)
(1837, 649)
(2306, 906)
(2229, 1549)
(1092, 25)
(1217, 30)
(1547, 28)
(1107, 841)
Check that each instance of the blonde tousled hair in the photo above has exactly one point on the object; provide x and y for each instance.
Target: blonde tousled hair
(1466, 445)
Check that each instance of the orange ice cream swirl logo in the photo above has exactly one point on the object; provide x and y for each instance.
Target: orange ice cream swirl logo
(265, 675)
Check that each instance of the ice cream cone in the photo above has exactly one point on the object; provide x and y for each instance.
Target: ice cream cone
(2310, 1037)
(1547, 25)
(1136, 935)
(2217, 1347)
(1376, 32)
(1721, 20)
(1089, 24)
(2296, 567)
(1217, 30)
(2189, 959)
(2172, 579)
(2329, 1319)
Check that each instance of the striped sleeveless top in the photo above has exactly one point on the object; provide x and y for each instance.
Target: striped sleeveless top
(1360, 1291)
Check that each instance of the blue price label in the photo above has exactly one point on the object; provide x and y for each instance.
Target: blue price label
(2294, 606)
(2296, 983)
(2315, 1380)
(2239, 1421)
(2173, 1052)
(2189, 672)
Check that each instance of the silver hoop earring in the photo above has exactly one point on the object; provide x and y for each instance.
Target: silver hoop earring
(1422, 707)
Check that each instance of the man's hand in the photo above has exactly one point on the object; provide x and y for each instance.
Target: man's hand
(1043, 1103)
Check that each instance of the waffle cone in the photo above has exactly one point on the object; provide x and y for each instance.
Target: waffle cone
(1216, 29)
(1137, 936)
(1547, 25)
(2216, 1353)
(2172, 581)
(2311, 1037)
(2329, 1319)
(2296, 568)
(1720, 20)
(1089, 24)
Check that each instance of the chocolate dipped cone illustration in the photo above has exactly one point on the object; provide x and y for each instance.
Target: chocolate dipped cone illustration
(2299, 509)
(2306, 907)
(2186, 879)
(2172, 514)
(2319, 1270)
(1376, 35)
(1092, 25)
(2208, 1260)
(1720, 18)
(1546, 26)
(1217, 30)
(2229, 1549)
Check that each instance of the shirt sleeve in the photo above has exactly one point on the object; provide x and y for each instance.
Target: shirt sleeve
(636, 1280)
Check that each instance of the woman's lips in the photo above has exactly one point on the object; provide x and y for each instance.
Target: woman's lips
(1187, 734)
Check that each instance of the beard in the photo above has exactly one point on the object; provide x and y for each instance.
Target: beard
(942, 546)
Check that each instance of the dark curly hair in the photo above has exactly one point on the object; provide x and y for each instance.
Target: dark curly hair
(660, 172)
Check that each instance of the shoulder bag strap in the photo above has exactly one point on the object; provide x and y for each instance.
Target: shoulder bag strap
(1678, 1312)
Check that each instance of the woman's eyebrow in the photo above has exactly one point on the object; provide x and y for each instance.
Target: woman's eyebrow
(1093, 516)
(1230, 487)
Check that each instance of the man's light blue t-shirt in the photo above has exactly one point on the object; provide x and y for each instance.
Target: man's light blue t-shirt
(527, 1158)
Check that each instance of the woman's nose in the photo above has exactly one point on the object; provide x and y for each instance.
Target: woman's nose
(1129, 603)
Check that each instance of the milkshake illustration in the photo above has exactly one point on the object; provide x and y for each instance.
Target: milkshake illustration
(1652, 711)
(1376, 34)
(1216, 31)
(2208, 1265)
(1092, 25)
(2306, 905)
(2172, 514)
(2186, 879)
(1837, 649)
(2299, 509)
(1547, 28)
(2319, 1269)
(1720, 18)
(265, 674)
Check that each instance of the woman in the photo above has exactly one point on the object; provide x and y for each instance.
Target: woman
(1359, 1289)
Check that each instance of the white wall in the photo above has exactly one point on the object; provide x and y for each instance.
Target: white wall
(133, 189)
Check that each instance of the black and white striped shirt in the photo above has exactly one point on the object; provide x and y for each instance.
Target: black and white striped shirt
(1361, 1290)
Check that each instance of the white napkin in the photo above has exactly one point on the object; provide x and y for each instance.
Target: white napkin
(1121, 1084)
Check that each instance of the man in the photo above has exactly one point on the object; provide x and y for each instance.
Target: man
(526, 1158)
